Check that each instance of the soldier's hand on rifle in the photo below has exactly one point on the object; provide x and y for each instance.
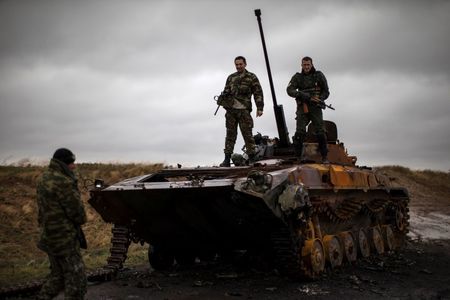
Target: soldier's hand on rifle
(315, 99)
(259, 113)
(303, 96)
(300, 100)
(319, 102)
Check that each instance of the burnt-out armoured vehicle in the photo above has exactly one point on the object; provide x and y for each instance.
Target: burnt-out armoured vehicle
(299, 215)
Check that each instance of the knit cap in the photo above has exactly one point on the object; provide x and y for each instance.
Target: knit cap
(64, 155)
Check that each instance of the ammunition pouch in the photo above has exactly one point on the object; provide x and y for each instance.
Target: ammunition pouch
(225, 100)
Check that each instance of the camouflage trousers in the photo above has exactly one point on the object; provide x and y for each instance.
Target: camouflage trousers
(241, 117)
(66, 273)
(314, 116)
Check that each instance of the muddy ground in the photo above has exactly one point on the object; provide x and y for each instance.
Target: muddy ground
(420, 271)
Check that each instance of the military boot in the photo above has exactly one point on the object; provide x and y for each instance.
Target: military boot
(226, 161)
(252, 158)
(322, 139)
(298, 145)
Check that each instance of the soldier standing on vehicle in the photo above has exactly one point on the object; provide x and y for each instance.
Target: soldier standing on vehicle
(61, 214)
(309, 88)
(240, 86)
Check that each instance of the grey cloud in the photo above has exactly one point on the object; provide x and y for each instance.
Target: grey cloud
(134, 81)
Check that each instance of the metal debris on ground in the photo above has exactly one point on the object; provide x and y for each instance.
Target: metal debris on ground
(354, 279)
(229, 275)
(201, 283)
(312, 290)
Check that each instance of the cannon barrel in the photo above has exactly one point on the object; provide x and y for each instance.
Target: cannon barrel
(283, 133)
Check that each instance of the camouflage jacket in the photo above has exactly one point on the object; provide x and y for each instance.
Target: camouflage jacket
(61, 211)
(313, 80)
(242, 87)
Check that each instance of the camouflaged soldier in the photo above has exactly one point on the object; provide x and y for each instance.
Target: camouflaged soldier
(307, 88)
(241, 85)
(61, 214)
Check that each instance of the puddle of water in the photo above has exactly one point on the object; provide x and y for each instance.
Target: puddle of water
(429, 227)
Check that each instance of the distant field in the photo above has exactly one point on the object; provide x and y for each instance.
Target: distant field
(21, 260)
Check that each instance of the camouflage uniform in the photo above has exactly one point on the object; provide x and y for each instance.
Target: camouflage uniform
(300, 82)
(61, 214)
(242, 86)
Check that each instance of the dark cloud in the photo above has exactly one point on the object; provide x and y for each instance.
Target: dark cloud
(134, 80)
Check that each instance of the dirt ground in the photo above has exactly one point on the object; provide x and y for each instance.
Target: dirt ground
(420, 271)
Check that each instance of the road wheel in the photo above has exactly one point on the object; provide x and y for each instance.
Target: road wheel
(401, 218)
(388, 237)
(333, 250)
(376, 239)
(363, 244)
(313, 258)
(348, 246)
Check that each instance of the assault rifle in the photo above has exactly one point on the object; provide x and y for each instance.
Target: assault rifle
(216, 98)
(317, 102)
(225, 99)
(322, 104)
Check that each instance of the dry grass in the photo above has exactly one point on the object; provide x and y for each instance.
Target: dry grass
(21, 260)
(424, 187)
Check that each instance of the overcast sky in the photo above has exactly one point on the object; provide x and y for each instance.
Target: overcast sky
(133, 81)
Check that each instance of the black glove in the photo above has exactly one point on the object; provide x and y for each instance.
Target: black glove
(303, 97)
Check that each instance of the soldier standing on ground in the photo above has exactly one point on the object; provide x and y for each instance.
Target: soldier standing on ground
(61, 214)
(241, 85)
(309, 87)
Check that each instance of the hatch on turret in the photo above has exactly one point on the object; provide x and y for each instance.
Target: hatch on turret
(337, 154)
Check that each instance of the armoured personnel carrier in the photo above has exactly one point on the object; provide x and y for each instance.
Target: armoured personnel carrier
(304, 215)
(301, 215)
